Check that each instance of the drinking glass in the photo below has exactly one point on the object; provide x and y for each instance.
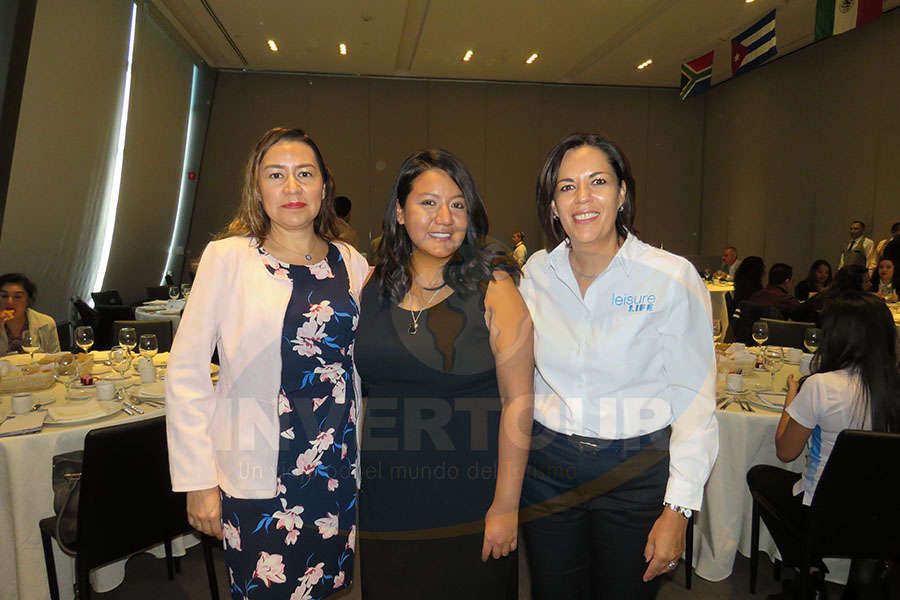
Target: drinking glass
(174, 292)
(773, 360)
(760, 332)
(149, 346)
(717, 330)
(30, 343)
(84, 337)
(120, 359)
(812, 338)
(707, 274)
(128, 338)
(64, 370)
(185, 290)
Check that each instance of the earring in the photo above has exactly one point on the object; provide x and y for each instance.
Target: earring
(556, 217)
(621, 208)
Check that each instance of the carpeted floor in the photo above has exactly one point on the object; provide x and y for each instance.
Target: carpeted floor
(146, 579)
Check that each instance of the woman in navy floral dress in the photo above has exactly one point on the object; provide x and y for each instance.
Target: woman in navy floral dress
(268, 457)
(307, 533)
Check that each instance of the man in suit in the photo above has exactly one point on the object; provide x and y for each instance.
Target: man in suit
(730, 264)
(860, 250)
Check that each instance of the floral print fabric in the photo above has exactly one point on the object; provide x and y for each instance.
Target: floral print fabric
(300, 545)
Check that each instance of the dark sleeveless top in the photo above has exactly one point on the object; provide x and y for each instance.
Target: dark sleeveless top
(432, 414)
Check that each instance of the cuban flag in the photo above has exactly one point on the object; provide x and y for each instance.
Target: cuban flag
(754, 46)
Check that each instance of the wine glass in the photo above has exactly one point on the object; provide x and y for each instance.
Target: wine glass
(707, 274)
(64, 370)
(812, 338)
(717, 330)
(773, 360)
(174, 292)
(149, 346)
(185, 290)
(30, 343)
(128, 338)
(84, 337)
(120, 359)
(760, 332)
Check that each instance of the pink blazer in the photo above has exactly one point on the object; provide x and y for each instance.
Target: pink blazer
(227, 435)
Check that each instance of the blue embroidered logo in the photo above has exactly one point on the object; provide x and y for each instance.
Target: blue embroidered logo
(641, 303)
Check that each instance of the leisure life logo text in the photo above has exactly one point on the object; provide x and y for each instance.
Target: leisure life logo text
(641, 303)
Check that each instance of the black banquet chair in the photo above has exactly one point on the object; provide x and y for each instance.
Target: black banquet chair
(162, 328)
(748, 313)
(158, 292)
(854, 510)
(787, 333)
(109, 297)
(125, 473)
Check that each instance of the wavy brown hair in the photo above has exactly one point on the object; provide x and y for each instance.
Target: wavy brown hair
(251, 219)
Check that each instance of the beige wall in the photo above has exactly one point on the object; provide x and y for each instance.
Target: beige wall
(796, 150)
(366, 127)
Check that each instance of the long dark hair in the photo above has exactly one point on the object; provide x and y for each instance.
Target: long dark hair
(859, 334)
(546, 184)
(473, 263)
(811, 276)
(251, 219)
(895, 280)
(748, 278)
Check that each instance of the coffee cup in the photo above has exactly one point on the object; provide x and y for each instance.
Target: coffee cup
(147, 372)
(793, 355)
(22, 403)
(804, 363)
(734, 382)
(106, 390)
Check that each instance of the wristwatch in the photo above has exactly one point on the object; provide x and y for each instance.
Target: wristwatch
(684, 512)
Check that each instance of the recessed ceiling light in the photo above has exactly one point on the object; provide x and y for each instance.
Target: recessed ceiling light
(468, 56)
(748, 1)
(272, 45)
(531, 59)
(342, 48)
(645, 64)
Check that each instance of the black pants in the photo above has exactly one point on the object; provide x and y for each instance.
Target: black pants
(589, 506)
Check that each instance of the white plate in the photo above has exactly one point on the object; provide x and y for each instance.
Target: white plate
(152, 308)
(153, 391)
(110, 408)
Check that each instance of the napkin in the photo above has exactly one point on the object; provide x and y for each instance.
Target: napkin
(735, 348)
(27, 423)
(82, 410)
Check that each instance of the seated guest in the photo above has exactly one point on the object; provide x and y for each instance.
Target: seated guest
(817, 280)
(748, 278)
(854, 385)
(895, 234)
(17, 294)
(778, 293)
(852, 278)
(730, 264)
(886, 280)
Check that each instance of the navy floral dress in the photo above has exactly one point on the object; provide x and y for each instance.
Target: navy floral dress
(300, 545)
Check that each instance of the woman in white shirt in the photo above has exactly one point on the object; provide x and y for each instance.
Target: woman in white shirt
(273, 446)
(624, 432)
(854, 385)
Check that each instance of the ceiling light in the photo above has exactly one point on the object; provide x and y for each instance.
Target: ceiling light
(531, 59)
(343, 49)
(272, 45)
(645, 64)
(748, 1)
(468, 56)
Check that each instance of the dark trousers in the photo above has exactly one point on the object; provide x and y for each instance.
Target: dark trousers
(589, 506)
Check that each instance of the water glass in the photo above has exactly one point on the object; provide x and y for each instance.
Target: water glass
(812, 338)
(760, 332)
(185, 290)
(120, 359)
(64, 370)
(717, 330)
(174, 292)
(84, 337)
(128, 338)
(773, 360)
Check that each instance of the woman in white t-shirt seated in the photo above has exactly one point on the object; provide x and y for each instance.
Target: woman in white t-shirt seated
(854, 385)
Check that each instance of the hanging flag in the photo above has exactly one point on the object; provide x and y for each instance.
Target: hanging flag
(754, 46)
(834, 17)
(696, 75)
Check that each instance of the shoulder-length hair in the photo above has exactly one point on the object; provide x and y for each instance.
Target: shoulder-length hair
(472, 265)
(546, 184)
(748, 278)
(895, 280)
(251, 219)
(859, 334)
(811, 276)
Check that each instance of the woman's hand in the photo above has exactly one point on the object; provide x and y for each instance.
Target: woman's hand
(7, 315)
(204, 509)
(792, 387)
(501, 531)
(665, 543)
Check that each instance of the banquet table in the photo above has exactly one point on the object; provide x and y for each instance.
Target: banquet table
(25, 478)
(723, 525)
(717, 292)
(149, 312)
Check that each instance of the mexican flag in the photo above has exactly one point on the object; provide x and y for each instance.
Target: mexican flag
(834, 17)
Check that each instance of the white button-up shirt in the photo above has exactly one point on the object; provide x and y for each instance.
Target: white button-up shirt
(634, 356)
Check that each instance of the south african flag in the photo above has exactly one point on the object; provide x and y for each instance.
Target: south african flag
(696, 75)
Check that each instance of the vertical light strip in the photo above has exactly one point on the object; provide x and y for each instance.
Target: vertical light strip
(108, 222)
(174, 250)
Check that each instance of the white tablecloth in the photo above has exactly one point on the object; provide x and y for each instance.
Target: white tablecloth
(27, 497)
(142, 314)
(723, 525)
(717, 292)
